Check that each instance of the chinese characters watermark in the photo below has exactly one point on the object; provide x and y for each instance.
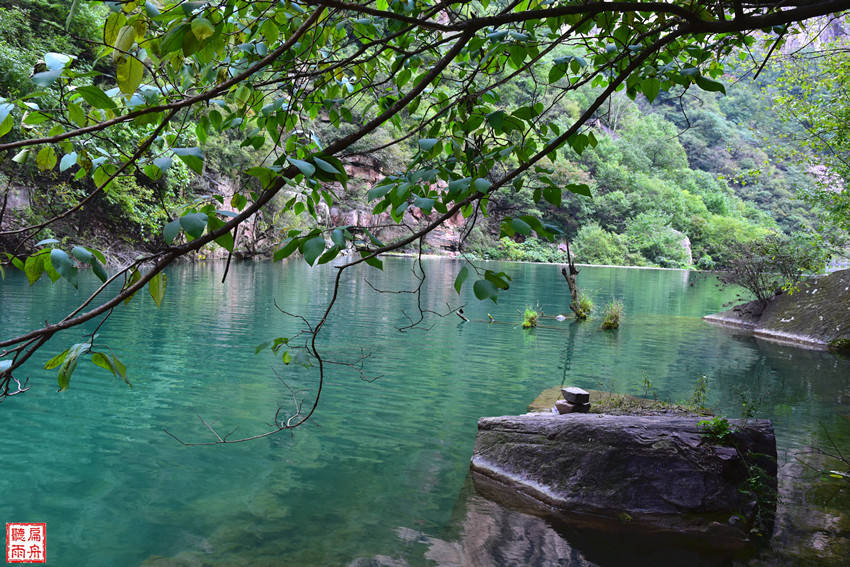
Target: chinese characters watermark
(26, 543)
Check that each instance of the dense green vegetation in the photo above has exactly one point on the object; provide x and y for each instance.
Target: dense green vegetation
(675, 183)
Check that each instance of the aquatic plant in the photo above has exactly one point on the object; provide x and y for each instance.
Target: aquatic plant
(585, 306)
(529, 318)
(612, 315)
(700, 392)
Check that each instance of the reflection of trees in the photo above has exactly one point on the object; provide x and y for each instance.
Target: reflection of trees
(812, 382)
(569, 350)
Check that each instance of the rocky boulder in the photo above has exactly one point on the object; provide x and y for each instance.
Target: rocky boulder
(817, 315)
(649, 475)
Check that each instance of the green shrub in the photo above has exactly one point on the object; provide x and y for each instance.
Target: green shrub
(595, 245)
(529, 318)
(612, 315)
(531, 250)
(716, 429)
(585, 305)
(651, 235)
(771, 264)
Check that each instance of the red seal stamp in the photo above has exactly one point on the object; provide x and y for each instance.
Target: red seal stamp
(26, 543)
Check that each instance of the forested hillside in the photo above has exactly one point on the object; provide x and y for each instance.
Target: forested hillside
(673, 182)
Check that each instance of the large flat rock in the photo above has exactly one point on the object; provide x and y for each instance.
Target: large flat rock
(631, 473)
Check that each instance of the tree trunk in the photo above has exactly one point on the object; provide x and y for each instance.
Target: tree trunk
(570, 276)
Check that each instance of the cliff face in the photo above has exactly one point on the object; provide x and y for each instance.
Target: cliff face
(817, 315)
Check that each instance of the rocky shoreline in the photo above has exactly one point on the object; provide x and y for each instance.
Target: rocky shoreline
(816, 316)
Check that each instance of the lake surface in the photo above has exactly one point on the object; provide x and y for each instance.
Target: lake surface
(379, 476)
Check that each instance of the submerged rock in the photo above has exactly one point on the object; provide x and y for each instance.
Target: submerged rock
(649, 475)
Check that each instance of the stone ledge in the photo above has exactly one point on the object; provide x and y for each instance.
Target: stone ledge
(628, 473)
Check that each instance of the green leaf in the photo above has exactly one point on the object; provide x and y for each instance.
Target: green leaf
(70, 363)
(95, 97)
(709, 85)
(305, 167)
(650, 87)
(82, 254)
(193, 157)
(163, 163)
(326, 166)
(226, 240)
(374, 262)
(461, 277)
(156, 287)
(553, 195)
(68, 160)
(34, 268)
(557, 72)
(427, 144)
(129, 74)
(100, 359)
(238, 201)
(338, 237)
(46, 158)
(151, 10)
(424, 203)
(194, 224)
(287, 250)
(114, 22)
(378, 191)
(121, 369)
(63, 264)
(22, 156)
(99, 270)
(313, 248)
(329, 255)
(484, 289)
(56, 360)
(125, 39)
(202, 28)
(520, 226)
(6, 119)
(481, 185)
(375, 240)
(579, 189)
(97, 254)
(171, 230)
(50, 270)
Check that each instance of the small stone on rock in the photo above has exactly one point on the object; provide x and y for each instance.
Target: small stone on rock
(575, 395)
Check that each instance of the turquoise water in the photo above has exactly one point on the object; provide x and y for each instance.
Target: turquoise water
(380, 474)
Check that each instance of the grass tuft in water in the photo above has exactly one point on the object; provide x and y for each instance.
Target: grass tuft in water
(529, 318)
(612, 315)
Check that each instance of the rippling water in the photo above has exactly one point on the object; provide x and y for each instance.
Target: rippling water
(379, 476)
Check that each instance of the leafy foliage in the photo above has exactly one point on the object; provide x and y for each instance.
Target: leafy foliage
(773, 265)
(716, 429)
(612, 314)
(529, 318)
